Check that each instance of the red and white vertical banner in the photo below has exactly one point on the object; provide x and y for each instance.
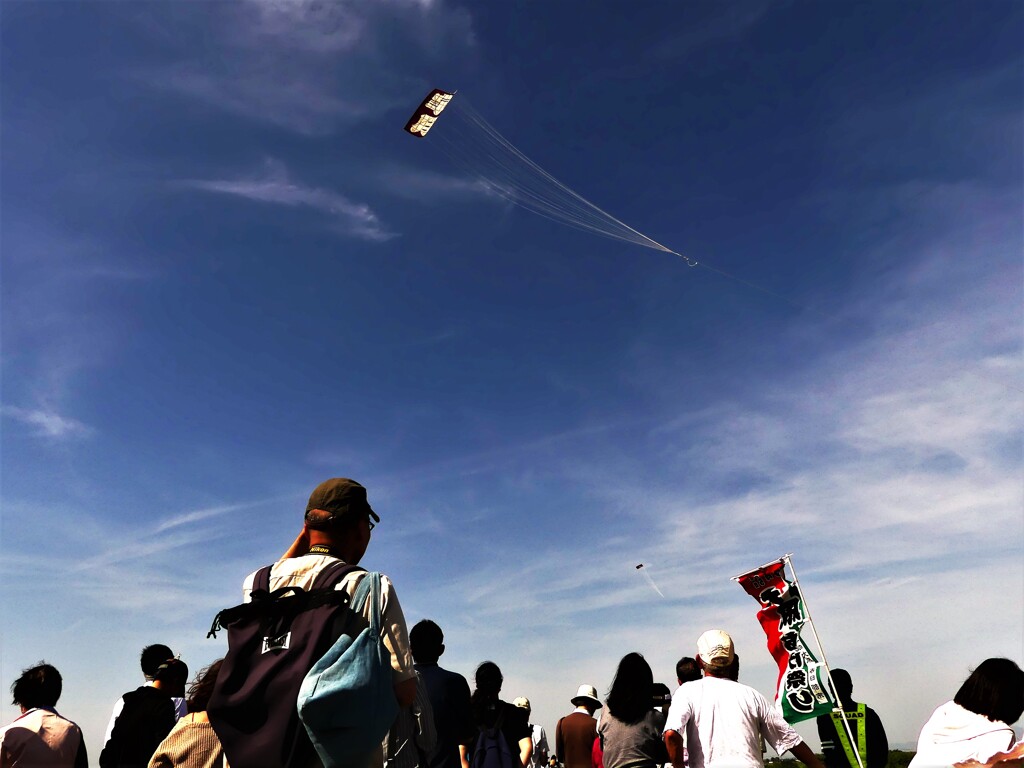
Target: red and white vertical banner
(800, 692)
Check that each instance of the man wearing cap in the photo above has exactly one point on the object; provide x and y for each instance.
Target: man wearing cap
(539, 756)
(723, 719)
(575, 733)
(337, 526)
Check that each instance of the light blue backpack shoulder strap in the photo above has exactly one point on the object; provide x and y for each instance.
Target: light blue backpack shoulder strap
(369, 588)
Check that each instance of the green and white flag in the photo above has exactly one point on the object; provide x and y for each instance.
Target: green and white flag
(801, 691)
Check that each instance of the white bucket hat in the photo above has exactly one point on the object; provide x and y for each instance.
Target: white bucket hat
(587, 694)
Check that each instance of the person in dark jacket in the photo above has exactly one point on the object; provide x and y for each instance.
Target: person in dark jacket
(147, 716)
(448, 693)
(869, 741)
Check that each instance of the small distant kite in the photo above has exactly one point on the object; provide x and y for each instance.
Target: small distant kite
(640, 567)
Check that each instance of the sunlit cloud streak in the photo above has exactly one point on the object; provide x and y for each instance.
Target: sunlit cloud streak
(429, 187)
(47, 423)
(276, 188)
(278, 95)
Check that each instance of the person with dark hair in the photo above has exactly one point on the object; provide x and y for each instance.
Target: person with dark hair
(489, 711)
(723, 719)
(576, 732)
(869, 741)
(733, 672)
(147, 715)
(448, 693)
(687, 670)
(975, 725)
(192, 742)
(40, 737)
(172, 676)
(150, 659)
(630, 728)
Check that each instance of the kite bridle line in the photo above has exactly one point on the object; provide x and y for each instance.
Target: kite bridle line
(532, 190)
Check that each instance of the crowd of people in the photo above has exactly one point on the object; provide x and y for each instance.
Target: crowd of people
(711, 720)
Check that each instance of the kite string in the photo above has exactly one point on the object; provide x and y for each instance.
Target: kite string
(502, 169)
(526, 184)
(533, 186)
(526, 193)
(523, 182)
(479, 120)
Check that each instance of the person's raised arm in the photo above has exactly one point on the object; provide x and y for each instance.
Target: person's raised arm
(805, 755)
(300, 546)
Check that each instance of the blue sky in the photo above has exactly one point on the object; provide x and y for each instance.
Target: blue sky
(228, 275)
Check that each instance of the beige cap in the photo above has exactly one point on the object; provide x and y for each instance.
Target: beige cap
(522, 702)
(715, 644)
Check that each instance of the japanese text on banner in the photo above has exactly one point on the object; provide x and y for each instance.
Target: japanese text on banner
(801, 692)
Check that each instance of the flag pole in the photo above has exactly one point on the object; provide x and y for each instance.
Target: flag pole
(787, 559)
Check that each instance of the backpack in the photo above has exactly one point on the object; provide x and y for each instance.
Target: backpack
(273, 641)
(491, 749)
(347, 700)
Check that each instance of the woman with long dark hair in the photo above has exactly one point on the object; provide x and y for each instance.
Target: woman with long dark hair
(975, 725)
(491, 715)
(631, 729)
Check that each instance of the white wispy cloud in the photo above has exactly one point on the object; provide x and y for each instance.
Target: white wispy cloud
(47, 423)
(727, 22)
(304, 25)
(275, 187)
(197, 515)
(58, 320)
(308, 67)
(281, 94)
(428, 187)
(122, 564)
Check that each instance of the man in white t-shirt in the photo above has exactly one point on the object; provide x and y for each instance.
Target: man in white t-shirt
(723, 720)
